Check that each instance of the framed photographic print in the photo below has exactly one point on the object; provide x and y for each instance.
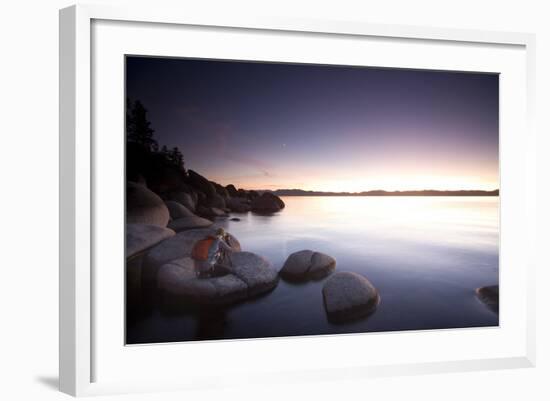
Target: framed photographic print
(357, 196)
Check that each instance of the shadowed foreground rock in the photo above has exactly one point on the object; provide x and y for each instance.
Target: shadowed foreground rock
(144, 206)
(489, 296)
(348, 296)
(139, 237)
(249, 276)
(307, 265)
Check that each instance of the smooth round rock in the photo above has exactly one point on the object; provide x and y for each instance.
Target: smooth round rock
(249, 276)
(489, 296)
(348, 296)
(177, 210)
(258, 274)
(307, 265)
(188, 223)
(201, 183)
(178, 279)
(231, 190)
(211, 212)
(143, 206)
(267, 203)
(216, 201)
(140, 237)
(238, 205)
(183, 198)
(297, 265)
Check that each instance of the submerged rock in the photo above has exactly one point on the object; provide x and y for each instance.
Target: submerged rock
(143, 206)
(235, 219)
(306, 265)
(267, 203)
(248, 276)
(348, 296)
(489, 296)
(140, 237)
(188, 223)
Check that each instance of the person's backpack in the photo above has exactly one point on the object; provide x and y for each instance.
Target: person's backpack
(200, 250)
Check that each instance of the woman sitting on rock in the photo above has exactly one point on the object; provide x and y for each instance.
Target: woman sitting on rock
(212, 255)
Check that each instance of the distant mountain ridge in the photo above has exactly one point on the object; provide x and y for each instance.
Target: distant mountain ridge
(427, 192)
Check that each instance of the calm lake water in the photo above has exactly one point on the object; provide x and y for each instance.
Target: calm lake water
(425, 255)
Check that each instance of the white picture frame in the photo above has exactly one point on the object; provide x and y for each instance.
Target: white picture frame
(82, 344)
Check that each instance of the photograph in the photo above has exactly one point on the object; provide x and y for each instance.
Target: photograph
(276, 199)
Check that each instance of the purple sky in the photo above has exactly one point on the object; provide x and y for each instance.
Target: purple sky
(329, 128)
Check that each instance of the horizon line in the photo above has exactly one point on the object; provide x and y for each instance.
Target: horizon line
(378, 190)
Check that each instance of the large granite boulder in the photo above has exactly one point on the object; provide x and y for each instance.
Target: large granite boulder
(188, 223)
(201, 183)
(215, 201)
(177, 210)
(178, 280)
(307, 265)
(183, 198)
(238, 205)
(232, 191)
(210, 212)
(143, 206)
(177, 247)
(249, 276)
(349, 296)
(489, 296)
(267, 203)
(220, 190)
(140, 237)
(255, 271)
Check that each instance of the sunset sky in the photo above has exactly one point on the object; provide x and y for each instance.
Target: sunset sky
(324, 128)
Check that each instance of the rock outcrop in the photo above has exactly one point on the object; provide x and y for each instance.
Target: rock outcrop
(267, 203)
(238, 205)
(143, 206)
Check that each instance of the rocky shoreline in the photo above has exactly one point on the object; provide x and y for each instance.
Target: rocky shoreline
(163, 228)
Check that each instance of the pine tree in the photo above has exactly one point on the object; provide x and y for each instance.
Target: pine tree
(138, 128)
(176, 157)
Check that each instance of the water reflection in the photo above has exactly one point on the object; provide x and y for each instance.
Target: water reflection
(426, 256)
